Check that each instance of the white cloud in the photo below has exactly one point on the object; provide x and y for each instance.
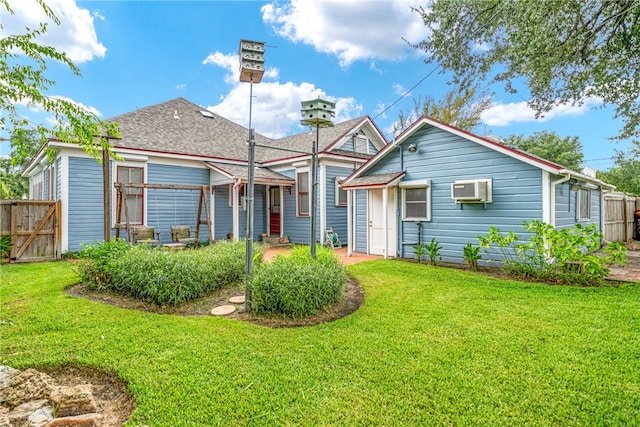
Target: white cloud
(398, 89)
(501, 114)
(231, 63)
(352, 30)
(276, 106)
(80, 105)
(76, 35)
(180, 86)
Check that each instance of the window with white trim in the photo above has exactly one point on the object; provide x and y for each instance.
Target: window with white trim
(341, 194)
(360, 144)
(416, 200)
(583, 208)
(303, 195)
(134, 196)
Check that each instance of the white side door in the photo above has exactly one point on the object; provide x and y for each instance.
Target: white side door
(377, 244)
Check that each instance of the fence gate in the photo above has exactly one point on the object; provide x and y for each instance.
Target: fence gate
(619, 216)
(35, 229)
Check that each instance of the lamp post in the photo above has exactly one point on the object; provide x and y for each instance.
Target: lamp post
(251, 71)
(316, 113)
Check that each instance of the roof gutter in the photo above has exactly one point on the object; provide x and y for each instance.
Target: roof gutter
(573, 174)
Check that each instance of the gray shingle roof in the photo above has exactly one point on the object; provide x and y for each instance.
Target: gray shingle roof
(178, 126)
(379, 180)
(157, 128)
(303, 141)
(261, 175)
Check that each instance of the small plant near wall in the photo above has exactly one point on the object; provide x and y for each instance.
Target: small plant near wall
(568, 256)
(433, 251)
(420, 250)
(5, 246)
(472, 255)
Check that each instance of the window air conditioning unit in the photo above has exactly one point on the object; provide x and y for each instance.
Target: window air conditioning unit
(473, 190)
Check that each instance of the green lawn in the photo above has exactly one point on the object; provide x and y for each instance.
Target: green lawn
(430, 346)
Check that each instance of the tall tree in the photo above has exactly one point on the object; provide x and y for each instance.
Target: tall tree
(565, 51)
(461, 107)
(14, 186)
(625, 175)
(548, 145)
(23, 63)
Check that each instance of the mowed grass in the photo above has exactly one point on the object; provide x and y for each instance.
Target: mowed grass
(430, 346)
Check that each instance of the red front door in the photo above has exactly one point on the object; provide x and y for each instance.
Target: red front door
(274, 211)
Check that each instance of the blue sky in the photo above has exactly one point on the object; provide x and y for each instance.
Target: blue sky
(138, 53)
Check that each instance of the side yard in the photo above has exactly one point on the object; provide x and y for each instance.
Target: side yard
(430, 346)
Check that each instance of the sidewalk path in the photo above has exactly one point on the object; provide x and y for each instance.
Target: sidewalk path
(631, 270)
(341, 253)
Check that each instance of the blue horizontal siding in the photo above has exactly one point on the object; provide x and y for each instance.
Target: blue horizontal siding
(297, 229)
(336, 216)
(85, 204)
(361, 226)
(444, 158)
(166, 207)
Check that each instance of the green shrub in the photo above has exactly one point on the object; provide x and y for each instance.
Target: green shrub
(94, 267)
(433, 250)
(420, 250)
(5, 246)
(297, 285)
(565, 256)
(472, 255)
(163, 276)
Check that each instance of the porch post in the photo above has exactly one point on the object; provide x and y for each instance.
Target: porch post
(323, 201)
(349, 222)
(281, 189)
(385, 220)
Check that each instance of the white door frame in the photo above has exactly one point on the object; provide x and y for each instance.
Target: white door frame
(381, 219)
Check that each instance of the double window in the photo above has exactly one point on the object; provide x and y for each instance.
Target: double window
(416, 200)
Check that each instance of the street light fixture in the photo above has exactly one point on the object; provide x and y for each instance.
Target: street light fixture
(318, 113)
(251, 71)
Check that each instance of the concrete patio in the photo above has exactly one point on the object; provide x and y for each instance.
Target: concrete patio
(631, 270)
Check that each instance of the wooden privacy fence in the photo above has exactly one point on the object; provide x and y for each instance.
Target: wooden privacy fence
(619, 212)
(35, 229)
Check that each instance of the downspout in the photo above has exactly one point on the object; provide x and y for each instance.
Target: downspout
(236, 216)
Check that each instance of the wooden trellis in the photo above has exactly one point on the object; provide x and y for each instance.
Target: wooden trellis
(122, 206)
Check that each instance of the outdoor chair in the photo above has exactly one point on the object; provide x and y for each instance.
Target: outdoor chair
(181, 234)
(142, 234)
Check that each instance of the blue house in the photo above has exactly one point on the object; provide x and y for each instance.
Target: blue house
(438, 181)
(178, 143)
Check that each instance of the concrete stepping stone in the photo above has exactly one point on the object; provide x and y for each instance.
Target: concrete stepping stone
(237, 299)
(223, 310)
